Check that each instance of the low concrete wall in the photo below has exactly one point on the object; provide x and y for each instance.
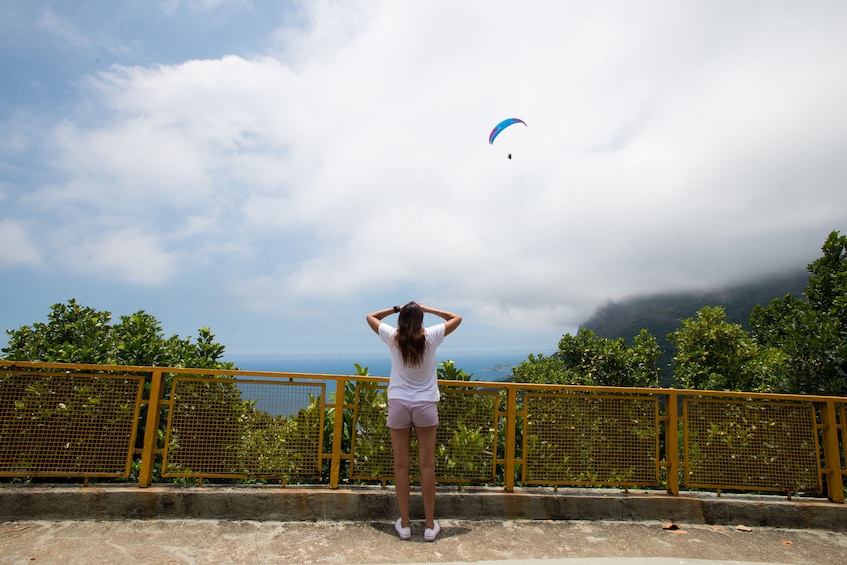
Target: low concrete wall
(292, 503)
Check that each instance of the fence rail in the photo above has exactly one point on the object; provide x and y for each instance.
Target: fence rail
(127, 423)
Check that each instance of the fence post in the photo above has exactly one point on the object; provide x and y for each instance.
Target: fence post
(831, 453)
(151, 430)
(509, 452)
(672, 443)
(337, 435)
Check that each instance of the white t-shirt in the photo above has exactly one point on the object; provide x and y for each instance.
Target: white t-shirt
(413, 383)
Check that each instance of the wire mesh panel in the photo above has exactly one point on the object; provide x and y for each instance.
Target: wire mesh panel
(466, 438)
(749, 445)
(72, 425)
(590, 439)
(243, 428)
(370, 438)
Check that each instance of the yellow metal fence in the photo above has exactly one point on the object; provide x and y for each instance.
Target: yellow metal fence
(135, 423)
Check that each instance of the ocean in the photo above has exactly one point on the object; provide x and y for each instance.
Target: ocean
(483, 365)
(488, 366)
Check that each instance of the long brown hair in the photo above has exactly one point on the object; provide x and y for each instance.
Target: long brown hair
(411, 337)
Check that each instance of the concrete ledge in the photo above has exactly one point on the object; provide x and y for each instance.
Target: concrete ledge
(362, 503)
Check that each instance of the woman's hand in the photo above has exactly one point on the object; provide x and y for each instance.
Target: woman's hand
(374, 318)
(452, 320)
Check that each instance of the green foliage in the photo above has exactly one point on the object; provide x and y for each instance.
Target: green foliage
(207, 425)
(466, 437)
(282, 445)
(215, 432)
(448, 371)
(372, 453)
(372, 439)
(576, 438)
(80, 334)
(74, 333)
(541, 369)
(587, 359)
(797, 342)
(713, 354)
(812, 332)
(91, 419)
(768, 446)
(662, 314)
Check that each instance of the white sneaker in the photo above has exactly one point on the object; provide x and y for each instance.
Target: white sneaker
(404, 533)
(431, 533)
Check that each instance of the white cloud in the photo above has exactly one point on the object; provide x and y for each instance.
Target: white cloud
(669, 146)
(63, 28)
(17, 247)
(126, 255)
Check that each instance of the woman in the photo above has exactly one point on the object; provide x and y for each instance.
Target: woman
(413, 401)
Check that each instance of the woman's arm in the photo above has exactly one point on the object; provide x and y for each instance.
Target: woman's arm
(374, 318)
(451, 320)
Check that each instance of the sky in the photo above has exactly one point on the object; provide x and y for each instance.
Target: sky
(275, 170)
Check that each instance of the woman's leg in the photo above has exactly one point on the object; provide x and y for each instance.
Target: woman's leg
(426, 461)
(400, 440)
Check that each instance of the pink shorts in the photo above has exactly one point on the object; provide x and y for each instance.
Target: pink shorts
(404, 414)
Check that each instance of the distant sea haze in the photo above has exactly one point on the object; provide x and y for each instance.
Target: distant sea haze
(485, 366)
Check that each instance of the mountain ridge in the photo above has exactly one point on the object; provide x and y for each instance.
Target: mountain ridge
(661, 314)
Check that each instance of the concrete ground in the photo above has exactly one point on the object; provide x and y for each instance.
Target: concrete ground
(117, 524)
(510, 542)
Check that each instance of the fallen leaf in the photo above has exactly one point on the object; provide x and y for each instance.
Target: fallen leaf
(673, 528)
(717, 528)
(743, 528)
(787, 542)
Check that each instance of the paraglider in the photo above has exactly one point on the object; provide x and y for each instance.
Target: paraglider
(501, 126)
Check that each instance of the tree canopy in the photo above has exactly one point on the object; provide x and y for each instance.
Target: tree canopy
(586, 359)
(714, 354)
(812, 332)
(75, 333)
(794, 344)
